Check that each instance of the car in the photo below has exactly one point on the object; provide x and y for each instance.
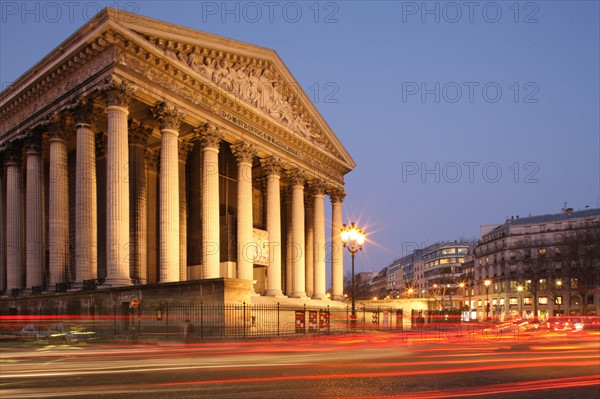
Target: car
(31, 333)
(61, 333)
(84, 333)
(566, 323)
(57, 333)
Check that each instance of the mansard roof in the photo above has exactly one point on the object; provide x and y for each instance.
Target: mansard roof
(547, 218)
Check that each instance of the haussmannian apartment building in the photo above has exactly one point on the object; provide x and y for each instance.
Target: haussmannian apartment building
(538, 266)
(433, 273)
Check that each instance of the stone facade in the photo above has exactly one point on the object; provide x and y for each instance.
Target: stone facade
(538, 266)
(149, 153)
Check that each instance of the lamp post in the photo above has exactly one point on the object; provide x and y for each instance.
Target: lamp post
(487, 299)
(557, 298)
(464, 286)
(353, 239)
(520, 290)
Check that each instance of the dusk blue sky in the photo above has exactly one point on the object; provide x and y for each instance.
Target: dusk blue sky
(521, 137)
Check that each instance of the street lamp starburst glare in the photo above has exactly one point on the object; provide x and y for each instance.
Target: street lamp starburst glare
(353, 239)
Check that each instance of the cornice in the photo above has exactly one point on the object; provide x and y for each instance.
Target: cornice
(116, 42)
(26, 99)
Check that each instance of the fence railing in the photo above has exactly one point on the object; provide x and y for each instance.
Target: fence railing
(247, 321)
(200, 322)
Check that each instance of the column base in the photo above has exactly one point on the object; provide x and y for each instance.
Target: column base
(116, 282)
(277, 293)
(300, 295)
(319, 296)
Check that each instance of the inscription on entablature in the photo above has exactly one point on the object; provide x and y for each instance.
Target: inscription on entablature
(257, 132)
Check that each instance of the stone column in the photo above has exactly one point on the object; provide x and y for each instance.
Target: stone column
(169, 119)
(309, 208)
(185, 147)
(58, 203)
(244, 154)
(86, 214)
(318, 190)
(118, 96)
(101, 203)
(2, 223)
(210, 138)
(34, 215)
(289, 276)
(138, 253)
(152, 222)
(273, 167)
(337, 249)
(14, 217)
(297, 245)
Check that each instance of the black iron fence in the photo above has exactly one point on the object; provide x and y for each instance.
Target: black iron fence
(210, 322)
(200, 322)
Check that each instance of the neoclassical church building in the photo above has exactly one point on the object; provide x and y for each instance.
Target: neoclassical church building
(141, 153)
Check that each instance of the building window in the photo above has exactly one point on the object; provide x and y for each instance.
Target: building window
(527, 300)
(573, 283)
(513, 301)
(543, 300)
(502, 302)
(590, 299)
(558, 300)
(479, 303)
(542, 251)
(542, 284)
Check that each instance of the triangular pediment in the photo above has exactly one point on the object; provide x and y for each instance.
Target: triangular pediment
(253, 75)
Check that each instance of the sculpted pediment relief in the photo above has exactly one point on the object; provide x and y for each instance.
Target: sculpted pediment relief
(254, 82)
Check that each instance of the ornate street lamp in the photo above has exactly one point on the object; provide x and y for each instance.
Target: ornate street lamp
(353, 239)
(487, 298)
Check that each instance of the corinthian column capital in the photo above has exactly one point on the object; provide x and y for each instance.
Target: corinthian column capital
(336, 194)
(138, 132)
(317, 186)
(85, 111)
(297, 177)
(59, 126)
(12, 152)
(243, 152)
(33, 142)
(272, 166)
(151, 160)
(167, 116)
(118, 93)
(209, 136)
(185, 147)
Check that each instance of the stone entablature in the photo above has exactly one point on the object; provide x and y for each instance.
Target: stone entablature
(211, 79)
